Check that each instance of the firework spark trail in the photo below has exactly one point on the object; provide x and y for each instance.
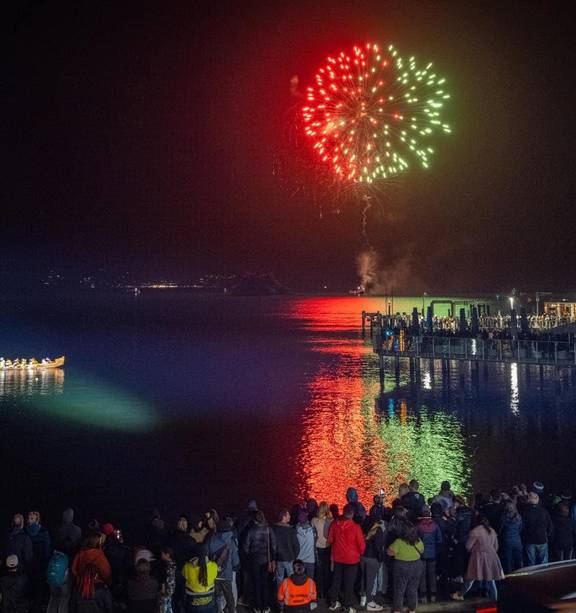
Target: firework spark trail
(368, 200)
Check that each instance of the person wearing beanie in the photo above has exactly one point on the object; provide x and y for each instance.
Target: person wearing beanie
(14, 587)
(69, 530)
(306, 541)
(537, 530)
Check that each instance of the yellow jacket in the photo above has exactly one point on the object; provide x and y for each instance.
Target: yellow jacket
(191, 571)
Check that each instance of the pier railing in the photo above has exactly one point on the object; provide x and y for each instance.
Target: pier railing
(557, 353)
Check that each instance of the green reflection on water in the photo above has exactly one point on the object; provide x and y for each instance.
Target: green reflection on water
(95, 403)
(428, 446)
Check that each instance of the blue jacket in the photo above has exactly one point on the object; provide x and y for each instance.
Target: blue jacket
(216, 544)
(431, 535)
(510, 530)
(307, 541)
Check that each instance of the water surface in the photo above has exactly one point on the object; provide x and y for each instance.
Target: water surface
(183, 401)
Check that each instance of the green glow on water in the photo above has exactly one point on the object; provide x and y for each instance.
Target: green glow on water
(95, 403)
(428, 446)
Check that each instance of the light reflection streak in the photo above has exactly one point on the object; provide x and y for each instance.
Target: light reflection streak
(514, 389)
(15, 383)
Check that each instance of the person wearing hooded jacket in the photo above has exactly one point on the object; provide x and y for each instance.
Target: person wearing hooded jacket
(359, 510)
(347, 541)
(306, 536)
(431, 535)
(69, 530)
(260, 550)
(222, 547)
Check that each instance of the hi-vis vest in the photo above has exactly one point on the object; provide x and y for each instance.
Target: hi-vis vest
(292, 595)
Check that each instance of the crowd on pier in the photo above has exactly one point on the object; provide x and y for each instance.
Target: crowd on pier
(400, 549)
(487, 327)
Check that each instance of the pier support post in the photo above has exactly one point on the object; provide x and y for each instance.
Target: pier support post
(363, 324)
(382, 374)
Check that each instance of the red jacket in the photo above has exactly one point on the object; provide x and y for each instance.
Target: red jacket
(347, 541)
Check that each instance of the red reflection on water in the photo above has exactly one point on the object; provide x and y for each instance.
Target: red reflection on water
(340, 443)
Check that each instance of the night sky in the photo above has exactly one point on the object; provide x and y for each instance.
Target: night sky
(156, 137)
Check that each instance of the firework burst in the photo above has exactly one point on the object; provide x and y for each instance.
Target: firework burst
(372, 113)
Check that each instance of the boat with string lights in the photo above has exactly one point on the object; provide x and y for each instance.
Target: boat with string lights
(32, 364)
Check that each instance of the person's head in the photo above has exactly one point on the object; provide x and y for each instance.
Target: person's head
(399, 512)
(538, 487)
(533, 498)
(108, 530)
(226, 524)
(196, 523)
(302, 518)
(378, 500)
(299, 568)
(334, 511)
(425, 511)
(92, 541)
(33, 518)
(348, 511)
(566, 494)
(12, 563)
(142, 568)
(18, 520)
(563, 509)
(510, 510)
(260, 518)
(67, 516)
(414, 485)
(482, 520)
(211, 519)
(410, 533)
(459, 502)
(182, 525)
(323, 510)
(352, 495)
(284, 516)
(166, 554)
(436, 509)
(311, 507)
(93, 525)
(495, 496)
(445, 486)
(252, 506)
(403, 489)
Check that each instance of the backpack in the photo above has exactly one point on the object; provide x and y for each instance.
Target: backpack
(57, 571)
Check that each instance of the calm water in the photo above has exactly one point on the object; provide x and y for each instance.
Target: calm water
(181, 402)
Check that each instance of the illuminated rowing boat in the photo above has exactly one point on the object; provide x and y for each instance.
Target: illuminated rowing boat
(8, 365)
